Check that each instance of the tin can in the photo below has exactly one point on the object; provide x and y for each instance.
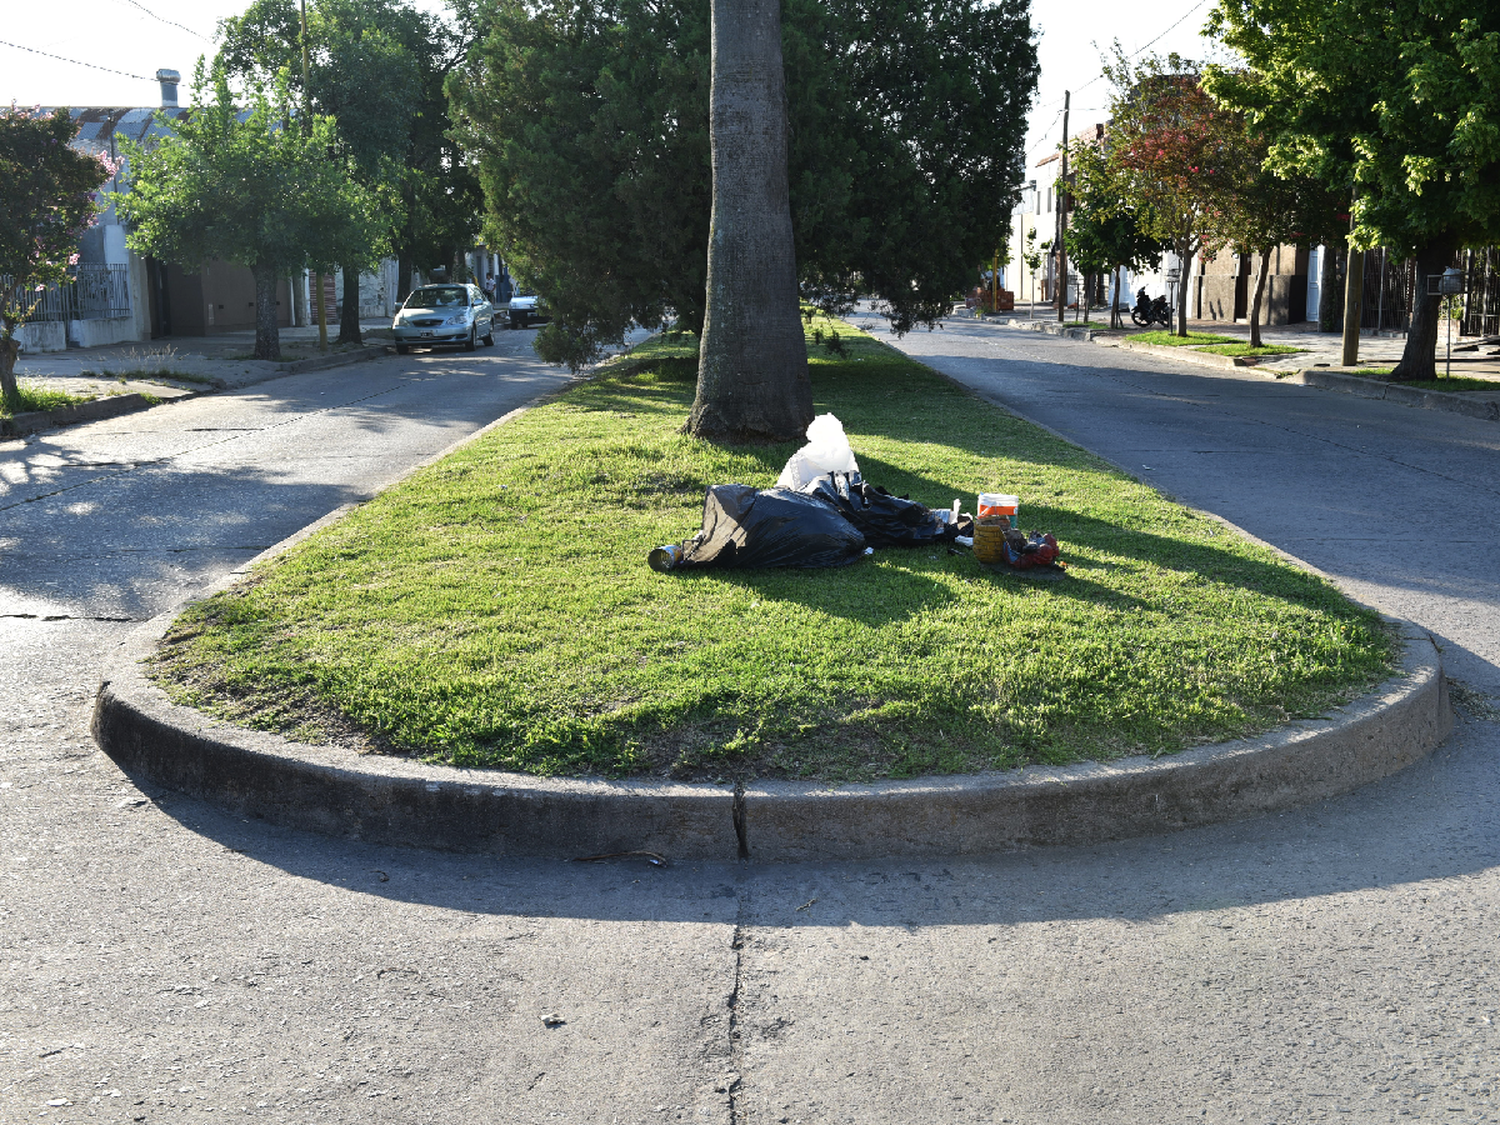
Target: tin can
(666, 557)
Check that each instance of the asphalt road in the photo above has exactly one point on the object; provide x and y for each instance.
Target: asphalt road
(163, 961)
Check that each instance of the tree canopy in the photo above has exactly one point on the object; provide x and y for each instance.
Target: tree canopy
(250, 188)
(1393, 103)
(1106, 229)
(1176, 154)
(590, 126)
(376, 67)
(49, 196)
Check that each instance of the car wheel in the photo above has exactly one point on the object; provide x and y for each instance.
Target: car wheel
(518, 320)
(469, 343)
(402, 349)
(489, 337)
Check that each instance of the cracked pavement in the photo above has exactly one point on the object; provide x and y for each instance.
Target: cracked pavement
(165, 961)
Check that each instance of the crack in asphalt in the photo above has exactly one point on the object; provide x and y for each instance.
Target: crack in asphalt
(69, 617)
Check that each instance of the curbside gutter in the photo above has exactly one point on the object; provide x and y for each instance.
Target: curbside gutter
(1189, 355)
(114, 406)
(389, 800)
(95, 410)
(1392, 392)
(1049, 327)
(1340, 381)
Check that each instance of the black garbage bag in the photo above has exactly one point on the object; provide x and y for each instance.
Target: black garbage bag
(885, 520)
(746, 527)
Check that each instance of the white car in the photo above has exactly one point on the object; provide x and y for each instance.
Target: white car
(527, 309)
(436, 315)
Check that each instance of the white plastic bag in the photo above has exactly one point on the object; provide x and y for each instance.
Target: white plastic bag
(827, 451)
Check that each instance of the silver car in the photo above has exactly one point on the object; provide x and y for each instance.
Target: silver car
(435, 315)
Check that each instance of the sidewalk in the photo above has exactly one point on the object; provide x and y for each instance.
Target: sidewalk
(1317, 349)
(1317, 362)
(120, 378)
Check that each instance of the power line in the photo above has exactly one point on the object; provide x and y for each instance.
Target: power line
(1185, 15)
(179, 26)
(1091, 81)
(76, 62)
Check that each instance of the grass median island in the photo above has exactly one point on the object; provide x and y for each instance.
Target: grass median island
(496, 609)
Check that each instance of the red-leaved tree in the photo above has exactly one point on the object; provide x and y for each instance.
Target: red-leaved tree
(1176, 155)
(49, 196)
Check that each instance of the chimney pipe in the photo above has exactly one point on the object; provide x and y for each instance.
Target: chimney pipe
(168, 80)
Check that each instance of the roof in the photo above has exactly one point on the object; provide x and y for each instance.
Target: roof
(1094, 134)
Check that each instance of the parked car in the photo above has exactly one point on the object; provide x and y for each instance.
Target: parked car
(434, 315)
(526, 309)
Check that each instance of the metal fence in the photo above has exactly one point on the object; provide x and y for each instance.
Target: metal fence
(1481, 307)
(95, 293)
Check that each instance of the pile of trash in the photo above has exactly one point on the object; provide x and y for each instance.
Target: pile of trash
(822, 513)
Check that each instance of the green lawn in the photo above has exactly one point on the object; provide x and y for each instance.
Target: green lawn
(1244, 348)
(1191, 340)
(496, 608)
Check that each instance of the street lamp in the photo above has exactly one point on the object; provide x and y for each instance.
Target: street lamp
(1447, 285)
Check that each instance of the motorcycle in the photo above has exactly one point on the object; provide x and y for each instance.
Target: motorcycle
(1148, 312)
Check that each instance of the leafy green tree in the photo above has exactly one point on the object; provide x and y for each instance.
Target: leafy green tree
(1106, 231)
(1176, 153)
(1266, 209)
(253, 189)
(1392, 103)
(590, 126)
(48, 197)
(377, 68)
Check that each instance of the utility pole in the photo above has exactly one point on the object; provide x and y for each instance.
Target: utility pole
(307, 124)
(1062, 218)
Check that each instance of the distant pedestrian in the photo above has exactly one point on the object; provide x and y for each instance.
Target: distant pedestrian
(489, 289)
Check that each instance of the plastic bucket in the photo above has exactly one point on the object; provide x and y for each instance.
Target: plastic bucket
(999, 504)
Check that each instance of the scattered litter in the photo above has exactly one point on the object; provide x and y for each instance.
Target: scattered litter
(827, 451)
(820, 514)
(552, 1019)
(650, 857)
(384, 878)
(806, 904)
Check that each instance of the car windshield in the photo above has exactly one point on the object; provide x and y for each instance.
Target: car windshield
(438, 297)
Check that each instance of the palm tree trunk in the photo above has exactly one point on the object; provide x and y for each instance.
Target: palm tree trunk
(752, 364)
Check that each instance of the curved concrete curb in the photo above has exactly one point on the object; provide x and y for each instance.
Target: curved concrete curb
(400, 801)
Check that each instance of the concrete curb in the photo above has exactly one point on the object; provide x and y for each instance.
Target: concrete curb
(401, 801)
(114, 406)
(1391, 392)
(1189, 355)
(95, 410)
(1340, 381)
(1049, 327)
